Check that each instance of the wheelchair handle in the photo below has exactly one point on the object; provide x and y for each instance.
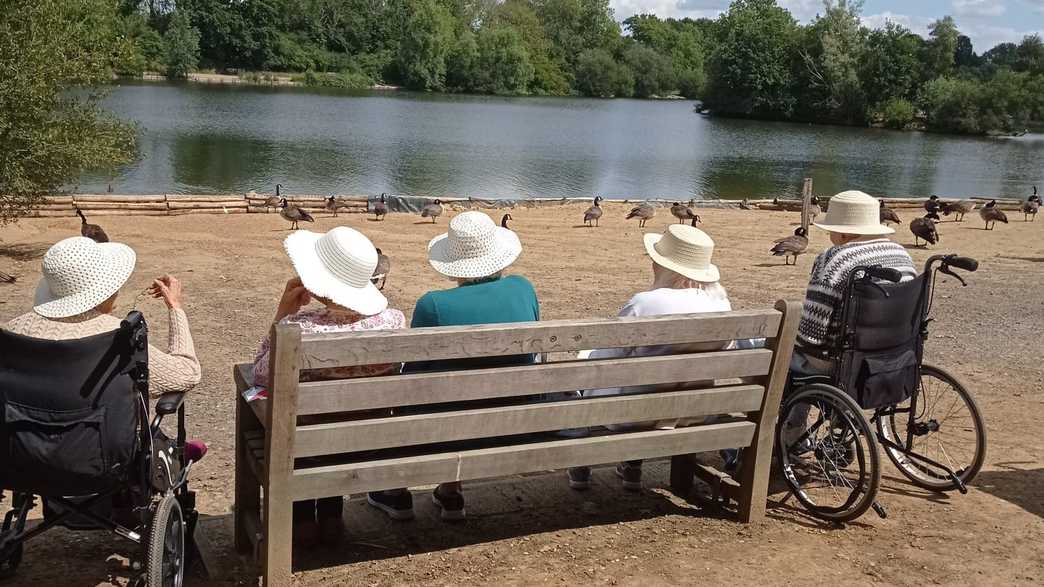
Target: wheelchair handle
(965, 263)
(884, 273)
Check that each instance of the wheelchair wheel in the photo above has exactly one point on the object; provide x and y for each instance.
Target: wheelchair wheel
(828, 453)
(166, 547)
(942, 422)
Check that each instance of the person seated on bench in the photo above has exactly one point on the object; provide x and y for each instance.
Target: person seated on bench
(684, 282)
(77, 296)
(474, 253)
(333, 269)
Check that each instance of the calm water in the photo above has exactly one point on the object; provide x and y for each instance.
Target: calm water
(208, 139)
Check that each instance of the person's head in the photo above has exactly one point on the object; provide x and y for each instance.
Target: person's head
(336, 268)
(682, 259)
(80, 275)
(851, 216)
(474, 249)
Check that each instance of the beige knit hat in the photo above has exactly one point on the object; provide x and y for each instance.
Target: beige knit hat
(79, 274)
(337, 266)
(684, 249)
(854, 212)
(474, 247)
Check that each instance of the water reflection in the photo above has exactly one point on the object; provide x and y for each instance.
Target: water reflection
(234, 139)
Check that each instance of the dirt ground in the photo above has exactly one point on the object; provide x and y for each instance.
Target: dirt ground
(533, 529)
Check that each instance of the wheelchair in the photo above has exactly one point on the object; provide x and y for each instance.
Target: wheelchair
(75, 433)
(926, 421)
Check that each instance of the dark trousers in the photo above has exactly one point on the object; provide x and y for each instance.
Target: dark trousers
(312, 509)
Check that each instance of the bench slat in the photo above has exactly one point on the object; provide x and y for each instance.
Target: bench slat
(429, 388)
(427, 344)
(333, 480)
(413, 430)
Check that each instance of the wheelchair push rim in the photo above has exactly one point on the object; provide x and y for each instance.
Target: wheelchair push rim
(942, 422)
(829, 461)
(166, 547)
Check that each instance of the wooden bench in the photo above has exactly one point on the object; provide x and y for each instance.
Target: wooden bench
(362, 452)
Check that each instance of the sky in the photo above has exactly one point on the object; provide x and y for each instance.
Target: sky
(986, 22)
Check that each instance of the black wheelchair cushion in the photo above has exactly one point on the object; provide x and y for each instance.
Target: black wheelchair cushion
(70, 412)
(883, 315)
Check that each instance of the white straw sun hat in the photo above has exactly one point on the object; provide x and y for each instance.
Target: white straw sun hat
(684, 249)
(79, 274)
(474, 247)
(854, 212)
(337, 266)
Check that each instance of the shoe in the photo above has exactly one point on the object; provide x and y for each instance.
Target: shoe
(195, 450)
(450, 502)
(631, 476)
(305, 533)
(580, 478)
(331, 531)
(398, 505)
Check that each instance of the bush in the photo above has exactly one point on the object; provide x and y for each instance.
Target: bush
(600, 76)
(348, 80)
(897, 113)
(182, 46)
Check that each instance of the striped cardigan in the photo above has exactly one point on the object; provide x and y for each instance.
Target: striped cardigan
(821, 316)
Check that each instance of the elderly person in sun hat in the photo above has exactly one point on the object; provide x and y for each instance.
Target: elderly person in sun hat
(684, 282)
(474, 253)
(333, 269)
(77, 297)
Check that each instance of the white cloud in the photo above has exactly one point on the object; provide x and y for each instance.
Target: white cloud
(1034, 5)
(982, 8)
(917, 24)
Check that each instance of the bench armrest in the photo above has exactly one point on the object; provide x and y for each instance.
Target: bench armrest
(169, 403)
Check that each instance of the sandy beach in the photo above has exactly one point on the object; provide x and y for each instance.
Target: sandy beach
(534, 529)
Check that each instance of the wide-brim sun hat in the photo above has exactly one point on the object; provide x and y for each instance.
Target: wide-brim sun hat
(337, 266)
(684, 249)
(79, 274)
(854, 212)
(474, 247)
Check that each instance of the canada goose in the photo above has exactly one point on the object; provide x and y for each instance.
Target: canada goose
(745, 205)
(683, 213)
(958, 209)
(380, 209)
(695, 220)
(1031, 207)
(273, 201)
(333, 205)
(380, 273)
(990, 213)
(293, 214)
(644, 212)
(932, 205)
(791, 246)
(814, 209)
(91, 231)
(924, 229)
(889, 215)
(593, 213)
(504, 221)
(433, 210)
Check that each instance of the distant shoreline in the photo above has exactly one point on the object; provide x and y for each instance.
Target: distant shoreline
(251, 79)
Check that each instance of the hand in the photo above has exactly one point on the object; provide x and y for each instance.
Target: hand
(295, 297)
(169, 288)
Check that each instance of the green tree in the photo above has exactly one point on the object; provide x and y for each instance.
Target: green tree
(574, 26)
(49, 132)
(503, 62)
(426, 41)
(599, 75)
(897, 113)
(549, 74)
(751, 69)
(1029, 56)
(462, 64)
(835, 47)
(941, 49)
(1003, 55)
(182, 47)
(890, 66)
(681, 40)
(653, 73)
(964, 56)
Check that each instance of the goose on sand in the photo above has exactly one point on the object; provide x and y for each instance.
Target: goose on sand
(504, 221)
(791, 246)
(593, 213)
(924, 229)
(380, 209)
(293, 214)
(91, 231)
(958, 209)
(683, 213)
(274, 201)
(932, 205)
(991, 214)
(814, 210)
(433, 210)
(1031, 206)
(644, 212)
(380, 273)
(889, 215)
(333, 205)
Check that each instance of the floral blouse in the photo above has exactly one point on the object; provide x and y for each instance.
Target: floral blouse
(326, 320)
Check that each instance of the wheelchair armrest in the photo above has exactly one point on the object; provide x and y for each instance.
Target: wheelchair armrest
(169, 403)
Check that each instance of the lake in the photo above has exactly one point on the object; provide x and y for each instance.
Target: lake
(198, 138)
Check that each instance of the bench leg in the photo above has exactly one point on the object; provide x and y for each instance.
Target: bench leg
(754, 476)
(682, 472)
(247, 499)
(277, 545)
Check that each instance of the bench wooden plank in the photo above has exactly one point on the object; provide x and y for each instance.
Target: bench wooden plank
(320, 350)
(379, 433)
(511, 460)
(429, 388)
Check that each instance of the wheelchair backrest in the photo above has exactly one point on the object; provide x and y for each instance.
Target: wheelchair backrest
(881, 315)
(71, 411)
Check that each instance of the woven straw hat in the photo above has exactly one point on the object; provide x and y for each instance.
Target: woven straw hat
(684, 249)
(337, 266)
(474, 247)
(79, 274)
(854, 212)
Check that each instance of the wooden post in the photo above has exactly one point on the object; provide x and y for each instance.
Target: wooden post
(806, 202)
(757, 459)
(281, 425)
